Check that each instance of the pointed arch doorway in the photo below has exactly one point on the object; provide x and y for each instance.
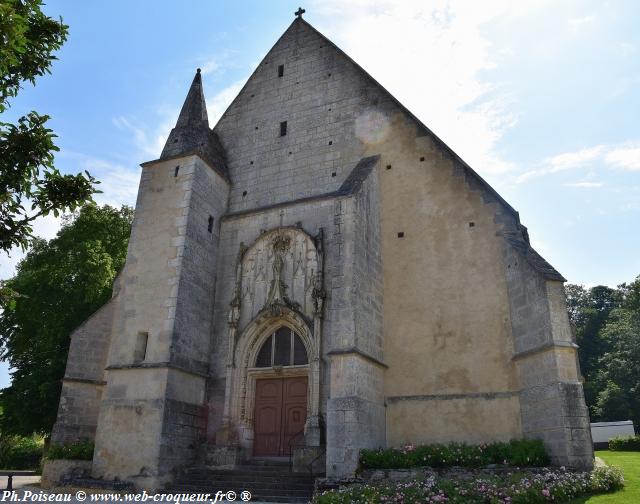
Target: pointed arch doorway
(281, 393)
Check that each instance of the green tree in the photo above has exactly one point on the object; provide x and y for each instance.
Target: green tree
(30, 185)
(60, 283)
(589, 311)
(620, 365)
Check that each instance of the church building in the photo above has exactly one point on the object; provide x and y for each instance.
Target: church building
(317, 274)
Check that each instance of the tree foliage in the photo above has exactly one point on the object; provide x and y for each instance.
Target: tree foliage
(608, 332)
(60, 283)
(30, 185)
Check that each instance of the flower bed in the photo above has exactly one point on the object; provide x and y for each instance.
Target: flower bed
(519, 453)
(514, 488)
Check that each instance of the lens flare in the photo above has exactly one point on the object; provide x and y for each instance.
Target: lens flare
(372, 127)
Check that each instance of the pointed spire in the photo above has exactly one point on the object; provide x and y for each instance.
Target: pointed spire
(191, 134)
(194, 109)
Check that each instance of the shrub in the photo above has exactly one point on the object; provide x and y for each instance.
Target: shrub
(521, 453)
(625, 443)
(20, 452)
(517, 488)
(79, 450)
(606, 479)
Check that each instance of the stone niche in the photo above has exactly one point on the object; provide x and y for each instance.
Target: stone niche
(282, 266)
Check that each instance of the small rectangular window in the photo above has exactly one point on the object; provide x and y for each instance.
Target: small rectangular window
(140, 351)
(210, 224)
(280, 70)
(283, 128)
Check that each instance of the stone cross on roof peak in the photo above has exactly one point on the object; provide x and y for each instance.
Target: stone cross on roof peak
(300, 12)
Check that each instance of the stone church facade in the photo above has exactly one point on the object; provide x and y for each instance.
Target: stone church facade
(318, 273)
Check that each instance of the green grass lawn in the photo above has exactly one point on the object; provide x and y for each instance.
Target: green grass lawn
(629, 462)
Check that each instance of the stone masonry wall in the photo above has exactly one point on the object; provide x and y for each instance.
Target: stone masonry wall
(368, 274)
(151, 416)
(445, 296)
(320, 96)
(184, 419)
(551, 398)
(84, 378)
(355, 407)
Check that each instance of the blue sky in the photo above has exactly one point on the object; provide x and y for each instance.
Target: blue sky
(541, 97)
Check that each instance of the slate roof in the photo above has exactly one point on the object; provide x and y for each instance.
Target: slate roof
(192, 134)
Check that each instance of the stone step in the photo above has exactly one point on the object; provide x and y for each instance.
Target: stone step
(254, 489)
(269, 461)
(248, 483)
(268, 480)
(103, 484)
(245, 468)
(242, 475)
(281, 494)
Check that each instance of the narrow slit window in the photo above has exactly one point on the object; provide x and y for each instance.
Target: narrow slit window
(175, 173)
(283, 128)
(210, 224)
(280, 70)
(140, 350)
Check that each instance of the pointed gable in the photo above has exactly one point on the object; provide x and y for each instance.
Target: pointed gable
(322, 98)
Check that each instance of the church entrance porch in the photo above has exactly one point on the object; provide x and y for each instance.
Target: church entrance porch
(280, 415)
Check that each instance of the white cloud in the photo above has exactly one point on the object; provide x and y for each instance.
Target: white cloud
(625, 157)
(118, 183)
(148, 142)
(622, 156)
(209, 66)
(431, 55)
(575, 23)
(574, 159)
(626, 48)
(221, 100)
(529, 175)
(584, 184)
(44, 227)
(8, 262)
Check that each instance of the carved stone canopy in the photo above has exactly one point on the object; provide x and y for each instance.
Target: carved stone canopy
(283, 268)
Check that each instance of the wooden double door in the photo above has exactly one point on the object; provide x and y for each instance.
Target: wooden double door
(280, 414)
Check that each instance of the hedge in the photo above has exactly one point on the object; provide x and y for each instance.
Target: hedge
(519, 453)
(20, 452)
(625, 443)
